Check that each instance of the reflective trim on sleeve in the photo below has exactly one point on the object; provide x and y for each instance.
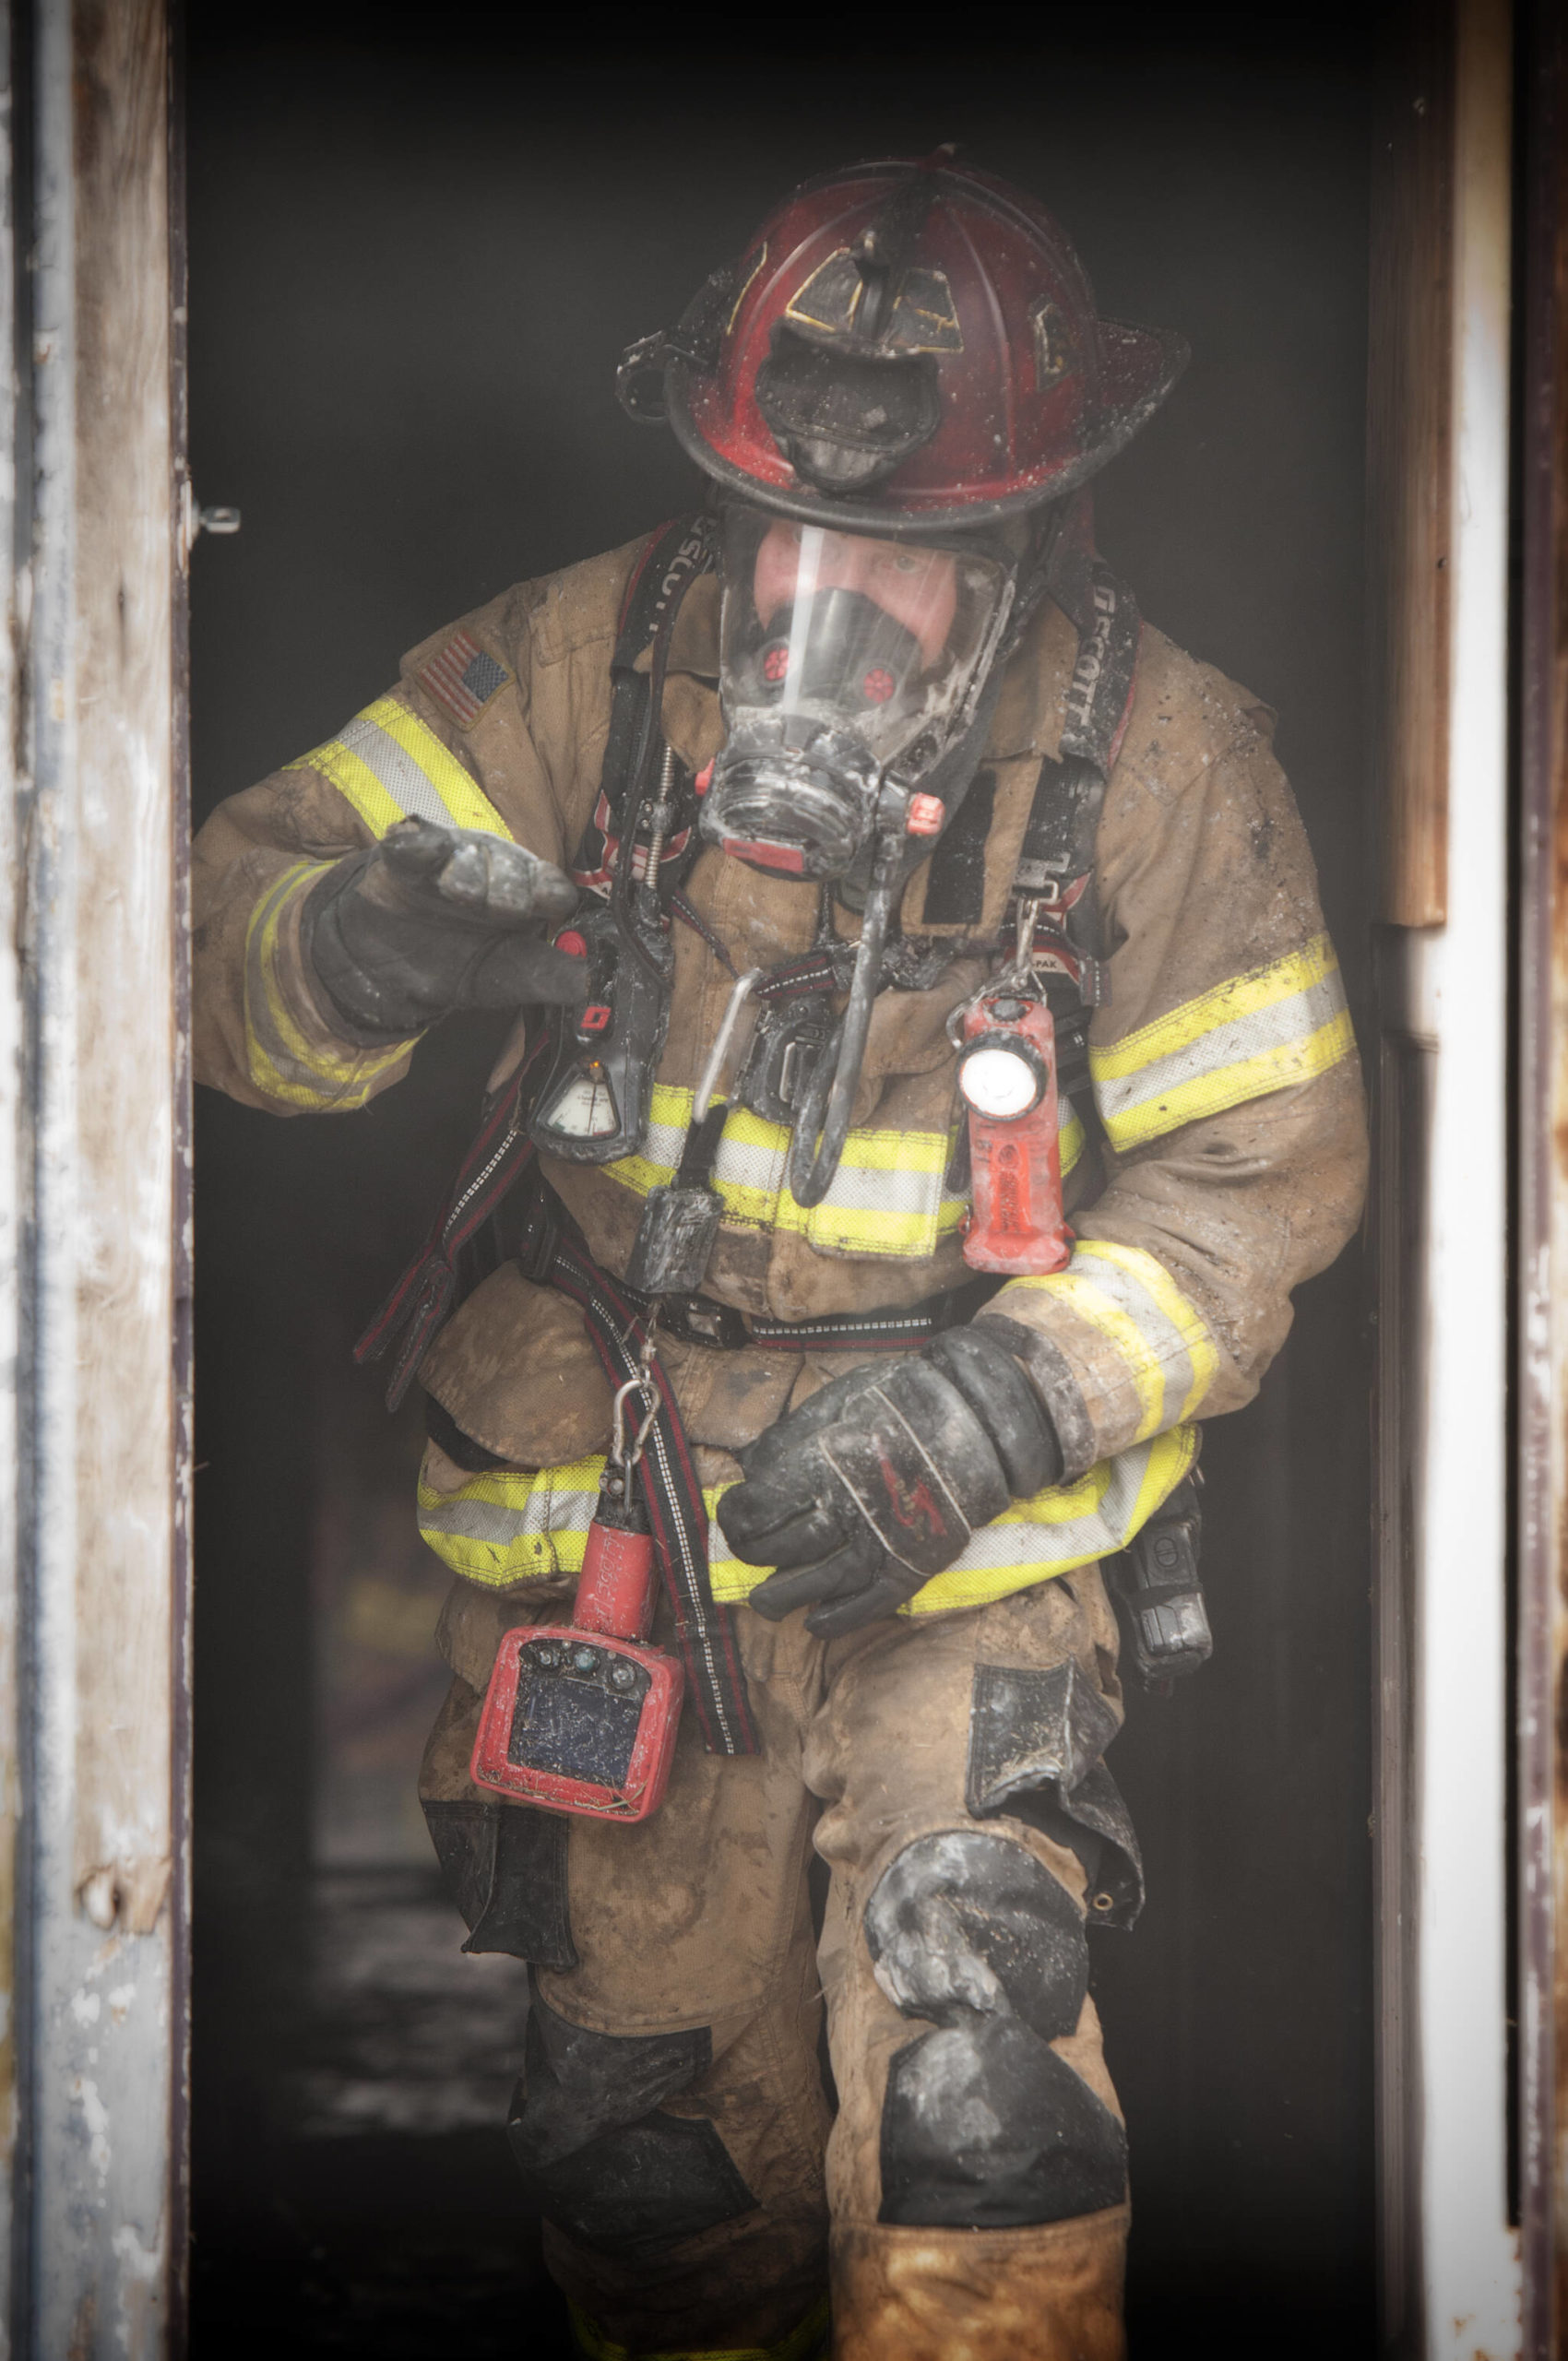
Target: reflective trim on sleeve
(803, 2343)
(1256, 1033)
(887, 1195)
(279, 1058)
(1071, 1526)
(506, 1527)
(1069, 1135)
(390, 766)
(1132, 1300)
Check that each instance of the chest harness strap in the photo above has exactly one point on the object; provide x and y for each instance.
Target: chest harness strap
(1056, 862)
(554, 1254)
(1055, 873)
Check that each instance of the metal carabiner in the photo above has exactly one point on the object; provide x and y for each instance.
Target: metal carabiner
(646, 1385)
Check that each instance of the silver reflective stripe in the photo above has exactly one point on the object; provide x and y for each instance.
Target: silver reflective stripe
(1227, 1045)
(1023, 1545)
(410, 787)
(857, 1188)
(501, 1528)
(280, 1057)
(1180, 1347)
(1131, 1300)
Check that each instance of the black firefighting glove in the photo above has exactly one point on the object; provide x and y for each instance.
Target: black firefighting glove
(431, 920)
(878, 1481)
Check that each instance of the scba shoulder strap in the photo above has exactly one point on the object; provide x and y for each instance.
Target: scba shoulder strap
(594, 1106)
(1056, 862)
(673, 560)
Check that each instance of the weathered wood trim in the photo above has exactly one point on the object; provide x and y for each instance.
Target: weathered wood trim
(125, 979)
(12, 1987)
(179, 524)
(1409, 450)
(1541, 1356)
(1448, 2249)
(104, 1274)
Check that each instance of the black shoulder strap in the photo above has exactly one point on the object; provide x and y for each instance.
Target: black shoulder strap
(554, 1253)
(670, 561)
(1056, 860)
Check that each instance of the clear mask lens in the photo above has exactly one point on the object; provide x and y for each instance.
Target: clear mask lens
(843, 656)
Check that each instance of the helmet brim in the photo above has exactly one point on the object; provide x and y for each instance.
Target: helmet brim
(1138, 368)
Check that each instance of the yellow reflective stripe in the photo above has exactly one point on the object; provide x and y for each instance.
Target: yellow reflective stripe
(1078, 1294)
(1032, 1543)
(1132, 1300)
(281, 1059)
(390, 766)
(803, 2343)
(1278, 1025)
(670, 1118)
(1238, 996)
(1233, 1085)
(1156, 1281)
(354, 780)
(499, 1529)
(524, 1526)
(1069, 1136)
(886, 1197)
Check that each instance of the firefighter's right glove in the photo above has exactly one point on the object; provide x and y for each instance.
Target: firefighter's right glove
(877, 1483)
(431, 920)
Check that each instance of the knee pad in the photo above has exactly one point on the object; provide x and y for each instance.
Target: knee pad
(601, 2159)
(985, 2128)
(577, 2085)
(967, 1923)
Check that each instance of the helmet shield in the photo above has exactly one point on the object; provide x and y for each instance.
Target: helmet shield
(903, 348)
(845, 658)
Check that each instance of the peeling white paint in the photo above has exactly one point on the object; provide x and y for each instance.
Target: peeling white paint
(95, 2115)
(143, 2261)
(86, 2007)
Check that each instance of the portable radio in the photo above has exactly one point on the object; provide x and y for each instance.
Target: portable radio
(583, 1717)
(594, 1103)
(1008, 1080)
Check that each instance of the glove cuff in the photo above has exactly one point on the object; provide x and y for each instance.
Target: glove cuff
(1055, 1385)
(996, 1389)
(355, 1002)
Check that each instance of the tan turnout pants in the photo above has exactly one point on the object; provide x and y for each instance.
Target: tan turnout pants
(700, 2192)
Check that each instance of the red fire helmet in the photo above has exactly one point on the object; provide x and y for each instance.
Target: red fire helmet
(905, 347)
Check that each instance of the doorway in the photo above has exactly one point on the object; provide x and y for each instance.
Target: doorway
(414, 260)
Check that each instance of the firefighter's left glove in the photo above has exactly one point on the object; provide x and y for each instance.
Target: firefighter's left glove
(878, 1481)
(431, 920)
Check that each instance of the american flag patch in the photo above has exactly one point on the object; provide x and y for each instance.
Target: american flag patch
(462, 679)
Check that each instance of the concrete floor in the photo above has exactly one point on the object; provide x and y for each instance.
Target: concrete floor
(369, 2206)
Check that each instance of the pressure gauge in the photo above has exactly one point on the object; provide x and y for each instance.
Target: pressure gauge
(1002, 1076)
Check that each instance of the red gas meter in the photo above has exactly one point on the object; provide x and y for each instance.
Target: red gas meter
(582, 1718)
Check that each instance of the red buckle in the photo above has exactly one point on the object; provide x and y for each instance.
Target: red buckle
(761, 855)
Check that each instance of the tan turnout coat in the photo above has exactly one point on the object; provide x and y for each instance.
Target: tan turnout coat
(1229, 1160)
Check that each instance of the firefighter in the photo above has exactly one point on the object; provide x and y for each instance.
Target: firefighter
(875, 758)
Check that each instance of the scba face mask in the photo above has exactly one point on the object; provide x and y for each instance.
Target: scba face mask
(849, 664)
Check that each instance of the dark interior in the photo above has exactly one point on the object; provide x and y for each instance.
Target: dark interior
(414, 261)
